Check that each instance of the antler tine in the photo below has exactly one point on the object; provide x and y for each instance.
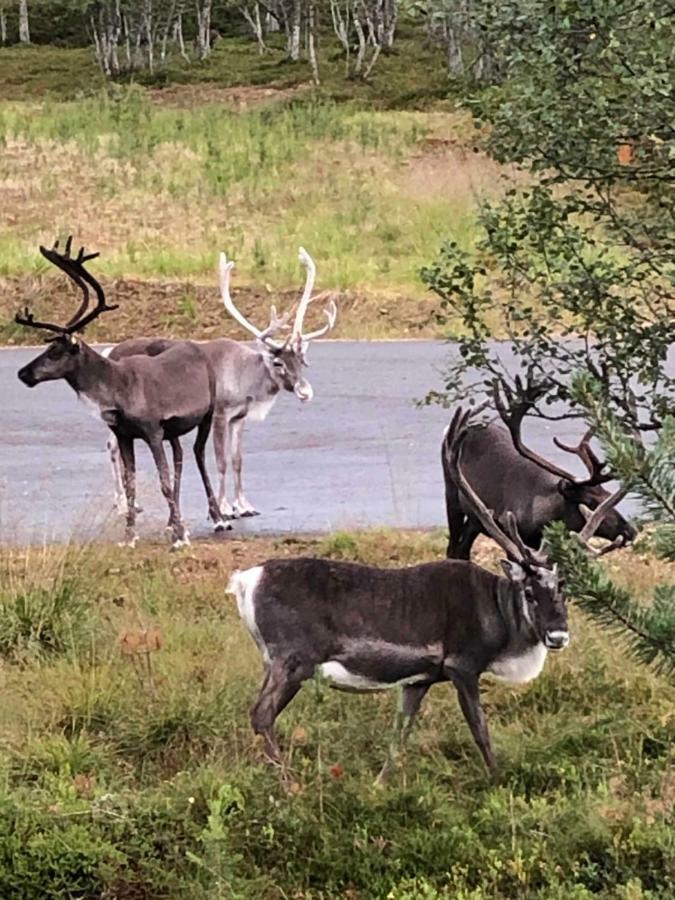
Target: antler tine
(308, 262)
(589, 458)
(61, 261)
(512, 412)
(28, 319)
(511, 528)
(75, 270)
(331, 314)
(453, 448)
(594, 520)
(276, 322)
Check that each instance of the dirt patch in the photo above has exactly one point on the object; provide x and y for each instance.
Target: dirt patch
(188, 310)
(190, 96)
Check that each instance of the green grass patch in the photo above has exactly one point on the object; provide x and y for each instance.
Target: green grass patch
(129, 768)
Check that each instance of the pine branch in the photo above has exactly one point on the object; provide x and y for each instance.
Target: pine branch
(647, 631)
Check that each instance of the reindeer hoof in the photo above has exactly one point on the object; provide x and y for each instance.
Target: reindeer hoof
(222, 526)
(179, 543)
(129, 542)
(244, 512)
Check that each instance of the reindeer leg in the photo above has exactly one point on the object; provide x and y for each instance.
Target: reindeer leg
(221, 429)
(410, 700)
(200, 444)
(469, 700)
(180, 536)
(241, 505)
(177, 453)
(282, 681)
(469, 532)
(126, 449)
(113, 448)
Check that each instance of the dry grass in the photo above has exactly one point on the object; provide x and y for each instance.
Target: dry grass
(370, 197)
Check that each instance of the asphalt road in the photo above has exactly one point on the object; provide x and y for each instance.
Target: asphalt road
(360, 454)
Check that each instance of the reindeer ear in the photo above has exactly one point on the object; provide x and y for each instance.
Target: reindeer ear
(513, 571)
(568, 489)
(73, 343)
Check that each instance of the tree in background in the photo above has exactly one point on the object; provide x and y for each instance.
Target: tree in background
(24, 25)
(575, 265)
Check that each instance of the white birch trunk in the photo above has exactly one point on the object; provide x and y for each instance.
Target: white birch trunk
(24, 26)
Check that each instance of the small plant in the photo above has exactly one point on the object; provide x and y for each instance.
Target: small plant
(44, 619)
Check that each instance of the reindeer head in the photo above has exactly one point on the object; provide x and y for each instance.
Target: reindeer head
(284, 360)
(61, 358)
(581, 495)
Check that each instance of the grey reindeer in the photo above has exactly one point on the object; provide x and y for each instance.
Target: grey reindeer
(154, 399)
(248, 379)
(370, 629)
(510, 477)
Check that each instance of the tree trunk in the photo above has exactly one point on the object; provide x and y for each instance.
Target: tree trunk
(178, 37)
(294, 31)
(3, 26)
(455, 57)
(388, 17)
(24, 27)
(203, 28)
(255, 23)
(312, 30)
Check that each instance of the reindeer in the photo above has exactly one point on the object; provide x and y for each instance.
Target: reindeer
(248, 379)
(369, 629)
(509, 476)
(152, 398)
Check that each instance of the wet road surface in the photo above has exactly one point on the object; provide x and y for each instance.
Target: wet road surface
(360, 454)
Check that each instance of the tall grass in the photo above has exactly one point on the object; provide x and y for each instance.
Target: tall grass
(129, 768)
(160, 190)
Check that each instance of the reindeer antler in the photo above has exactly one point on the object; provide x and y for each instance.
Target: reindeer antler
(330, 311)
(513, 408)
(508, 538)
(594, 520)
(75, 270)
(279, 323)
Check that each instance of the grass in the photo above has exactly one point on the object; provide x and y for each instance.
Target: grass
(129, 769)
(160, 180)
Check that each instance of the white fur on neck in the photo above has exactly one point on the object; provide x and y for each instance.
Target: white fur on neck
(519, 669)
(90, 405)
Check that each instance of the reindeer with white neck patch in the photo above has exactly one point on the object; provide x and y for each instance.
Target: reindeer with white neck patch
(369, 629)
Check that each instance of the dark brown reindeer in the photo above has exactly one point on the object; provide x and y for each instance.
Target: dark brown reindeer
(154, 399)
(509, 476)
(369, 629)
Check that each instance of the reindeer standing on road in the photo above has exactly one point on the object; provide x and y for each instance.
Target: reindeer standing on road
(248, 379)
(151, 398)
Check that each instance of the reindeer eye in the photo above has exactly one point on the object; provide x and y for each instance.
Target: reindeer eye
(278, 363)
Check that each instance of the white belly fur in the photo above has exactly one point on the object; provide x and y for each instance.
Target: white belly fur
(340, 676)
(520, 668)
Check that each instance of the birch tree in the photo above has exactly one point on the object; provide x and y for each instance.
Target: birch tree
(24, 25)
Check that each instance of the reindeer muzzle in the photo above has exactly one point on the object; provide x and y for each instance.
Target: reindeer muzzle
(304, 391)
(27, 376)
(556, 640)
